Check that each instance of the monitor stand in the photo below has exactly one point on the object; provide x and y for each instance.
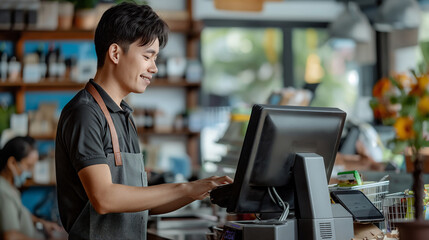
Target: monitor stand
(316, 218)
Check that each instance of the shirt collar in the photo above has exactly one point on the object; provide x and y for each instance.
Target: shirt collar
(110, 104)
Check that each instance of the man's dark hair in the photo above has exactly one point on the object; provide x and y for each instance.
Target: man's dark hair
(124, 24)
(17, 147)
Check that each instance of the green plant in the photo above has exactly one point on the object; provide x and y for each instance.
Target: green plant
(84, 4)
(403, 102)
(140, 2)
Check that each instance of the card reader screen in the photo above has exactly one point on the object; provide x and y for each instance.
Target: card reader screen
(358, 205)
(230, 233)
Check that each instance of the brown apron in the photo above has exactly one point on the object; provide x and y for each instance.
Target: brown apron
(127, 169)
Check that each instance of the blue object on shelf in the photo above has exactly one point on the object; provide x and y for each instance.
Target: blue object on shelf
(181, 165)
(80, 49)
(33, 99)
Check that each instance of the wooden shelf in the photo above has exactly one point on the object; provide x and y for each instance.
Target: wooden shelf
(143, 131)
(43, 85)
(69, 85)
(177, 22)
(19, 88)
(40, 87)
(30, 183)
(166, 82)
(44, 137)
(72, 34)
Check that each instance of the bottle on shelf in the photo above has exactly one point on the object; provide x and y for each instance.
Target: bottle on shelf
(71, 69)
(61, 67)
(51, 60)
(3, 66)
(42, 63)
(149, 118)
(162, 67)
(14, 69)
(176, 67)
(194, 71)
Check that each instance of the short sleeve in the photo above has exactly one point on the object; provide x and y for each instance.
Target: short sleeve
(82, 133)
(9, 214)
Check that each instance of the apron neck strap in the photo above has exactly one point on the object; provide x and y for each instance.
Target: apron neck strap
(117, 153)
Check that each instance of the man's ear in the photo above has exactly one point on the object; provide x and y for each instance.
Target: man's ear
(114, 52)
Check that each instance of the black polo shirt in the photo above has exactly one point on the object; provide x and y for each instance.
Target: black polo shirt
(83, 139)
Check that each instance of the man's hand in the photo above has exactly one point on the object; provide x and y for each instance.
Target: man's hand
(200, 189)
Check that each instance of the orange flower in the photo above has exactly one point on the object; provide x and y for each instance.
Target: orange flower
(385, 110)
(423, 105)
(380, 112)
(404, 81)
(404, 128)
(420, 87)
(423, 82)
(381, 87)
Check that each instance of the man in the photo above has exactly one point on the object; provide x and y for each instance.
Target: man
(102, 186)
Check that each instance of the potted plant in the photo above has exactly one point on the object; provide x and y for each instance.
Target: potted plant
(140, 2)
(65, 14)
(85, 15)
(403, 101)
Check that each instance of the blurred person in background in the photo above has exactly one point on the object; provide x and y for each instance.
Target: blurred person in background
(17, 160)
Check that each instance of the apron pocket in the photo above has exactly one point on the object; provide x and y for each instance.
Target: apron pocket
(117, 225)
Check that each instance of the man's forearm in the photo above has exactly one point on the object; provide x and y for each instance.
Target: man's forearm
(122, 198)
(171, 206)
(107, 197)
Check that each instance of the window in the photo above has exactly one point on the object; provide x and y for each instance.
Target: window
(245, 62)
(242, 65)
(326, 66)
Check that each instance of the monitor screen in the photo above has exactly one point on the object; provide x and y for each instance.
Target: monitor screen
(273, 136)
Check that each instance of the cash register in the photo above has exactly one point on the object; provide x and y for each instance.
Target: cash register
(284, 167)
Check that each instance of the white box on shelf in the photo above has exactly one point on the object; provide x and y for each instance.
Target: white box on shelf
(47, 16)
(86, 69)
(41, 173)
(32, 73)
(19, 124)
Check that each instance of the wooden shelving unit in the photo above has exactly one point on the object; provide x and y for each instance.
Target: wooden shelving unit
(65, 84)
(43, 85)
(167, 132)
(143, 132)
(19, 88)
(178, 21)
(31, 183)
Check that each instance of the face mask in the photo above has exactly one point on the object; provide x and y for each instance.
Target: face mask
(19, 180)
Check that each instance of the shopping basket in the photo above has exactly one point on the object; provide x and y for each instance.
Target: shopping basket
(375, 191)
(398, 207)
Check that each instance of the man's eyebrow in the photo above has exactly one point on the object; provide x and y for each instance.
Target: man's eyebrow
(151, 51)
